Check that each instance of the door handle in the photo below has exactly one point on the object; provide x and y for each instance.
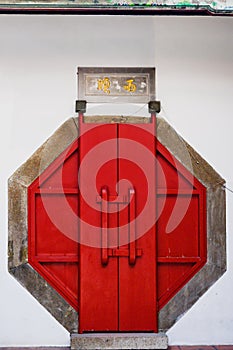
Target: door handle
(132, 227)
(104, 226)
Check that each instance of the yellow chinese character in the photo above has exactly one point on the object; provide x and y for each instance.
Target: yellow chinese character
(104, 85)
(131, 87)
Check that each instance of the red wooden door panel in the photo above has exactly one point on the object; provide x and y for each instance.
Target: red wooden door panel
(137, 279)
(181, 225)
(53, 224)
(98, 295)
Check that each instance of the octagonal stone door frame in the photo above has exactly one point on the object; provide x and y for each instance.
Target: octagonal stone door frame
(18, 231)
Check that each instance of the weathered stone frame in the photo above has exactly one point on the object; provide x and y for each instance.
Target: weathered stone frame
(216, 226)
(50, 150)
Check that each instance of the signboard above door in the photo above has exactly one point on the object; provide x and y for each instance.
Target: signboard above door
(116, 85)
(138, 7)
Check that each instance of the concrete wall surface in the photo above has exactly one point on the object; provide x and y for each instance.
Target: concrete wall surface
(39, 56)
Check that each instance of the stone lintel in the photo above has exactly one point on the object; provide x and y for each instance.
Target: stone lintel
(119, 341)
(116, 119)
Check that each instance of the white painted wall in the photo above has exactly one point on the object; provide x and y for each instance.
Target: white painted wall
(38, 60)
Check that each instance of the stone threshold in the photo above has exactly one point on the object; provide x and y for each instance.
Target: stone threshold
(115, 341)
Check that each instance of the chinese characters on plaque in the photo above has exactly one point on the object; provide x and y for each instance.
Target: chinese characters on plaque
(114, 85)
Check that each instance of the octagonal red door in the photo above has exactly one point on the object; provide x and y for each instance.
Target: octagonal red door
(117, 226)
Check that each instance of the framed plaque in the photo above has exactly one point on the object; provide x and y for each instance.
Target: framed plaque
(116, 85)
